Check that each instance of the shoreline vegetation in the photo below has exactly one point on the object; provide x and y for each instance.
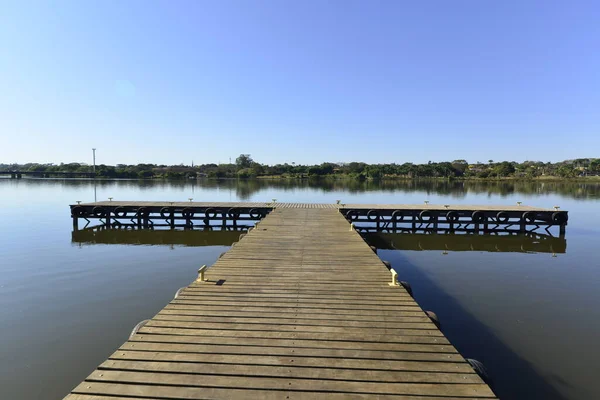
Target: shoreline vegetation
(583, 169)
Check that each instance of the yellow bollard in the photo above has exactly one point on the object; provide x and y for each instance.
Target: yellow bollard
(201, 273)
(394, 281)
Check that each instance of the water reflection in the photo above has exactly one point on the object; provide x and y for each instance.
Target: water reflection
(245, 189)
(192, 238)
(519, 243)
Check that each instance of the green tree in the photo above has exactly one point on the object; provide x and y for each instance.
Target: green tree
(460, 166)
(244, 161)
(504, 169)
(245, 173)
(566, 171)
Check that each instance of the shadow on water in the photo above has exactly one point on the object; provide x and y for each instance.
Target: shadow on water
(513, 377)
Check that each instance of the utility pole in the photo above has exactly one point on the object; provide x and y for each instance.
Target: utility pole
(94, 153)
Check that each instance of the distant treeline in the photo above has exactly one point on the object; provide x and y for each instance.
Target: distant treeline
(246, 167)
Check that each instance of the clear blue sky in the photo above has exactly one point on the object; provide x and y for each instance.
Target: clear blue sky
(303, 81)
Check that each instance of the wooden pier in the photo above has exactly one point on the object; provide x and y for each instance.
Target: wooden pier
(393, 218)
(299, 308)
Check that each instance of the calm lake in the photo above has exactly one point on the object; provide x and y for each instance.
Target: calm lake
(529, 310)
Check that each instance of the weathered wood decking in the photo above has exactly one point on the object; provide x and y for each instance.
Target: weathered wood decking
(289, 314)
(248, 204)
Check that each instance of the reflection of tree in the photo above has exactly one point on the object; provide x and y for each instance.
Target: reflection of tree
(245, 189)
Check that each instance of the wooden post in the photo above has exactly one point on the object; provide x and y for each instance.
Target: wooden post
(75, 223)
(172, 218)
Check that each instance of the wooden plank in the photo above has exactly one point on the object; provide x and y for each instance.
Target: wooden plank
(236, 306)
(313, 304)
(287, 371)
(419, 330)
(296, 342)
(274, 350)
(180, 383)
(398, 337)
(287, 360)
(416, 316)
(421, 323)
(167, 392)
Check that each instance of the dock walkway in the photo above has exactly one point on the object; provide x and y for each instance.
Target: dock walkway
(289, 314)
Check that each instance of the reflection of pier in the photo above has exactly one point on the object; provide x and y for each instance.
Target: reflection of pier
(521, 243)
(493, 242)
(101, 235)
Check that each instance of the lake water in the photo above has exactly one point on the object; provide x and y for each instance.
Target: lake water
(533, 318)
